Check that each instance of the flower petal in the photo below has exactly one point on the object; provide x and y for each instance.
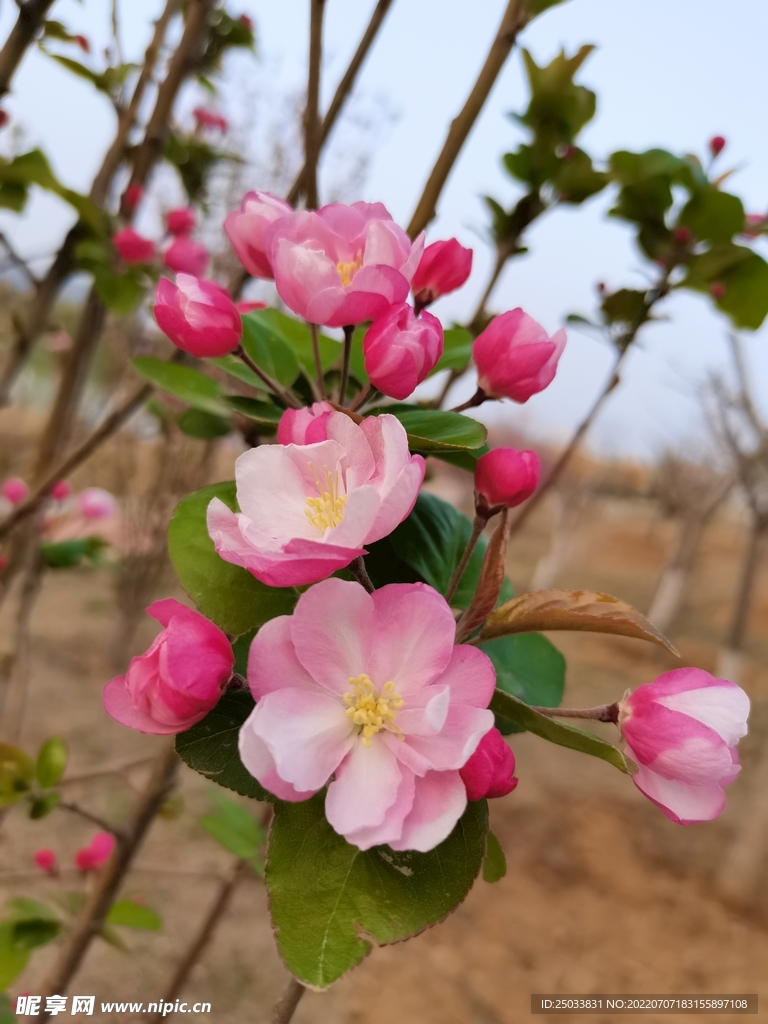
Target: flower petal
(392, 826)
(439, 801)
(333, 630)
(256, 757)
(365, 788)
(272, 661)
(680, 801)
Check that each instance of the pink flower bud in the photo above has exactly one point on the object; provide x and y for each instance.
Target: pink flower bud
(515, 357)
(15, 490)
(490, 771)
(682, 729)
(181, 222)
(178, 680)
(505, 476)
(754, 224)
(61, 490)
(133, 247)
(47, 861)
(4, 118)
(716, 145)
(198, 316)
(184, 256)
(59, 341)
(401, 349)
(97, 853)
(249, 230)
(443, 268)
(210, 118)
(244, 307)
(304, 426)
(245, 20)
(682, 235)
(133, 196)
(96, 503)
(83, 42)
(717, 290)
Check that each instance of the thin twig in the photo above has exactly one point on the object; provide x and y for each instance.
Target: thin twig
(273, 385)
(18, 261)
(311, 120)
(358, 570)
(602, 713)
(285, 1007)
(478, 525)
(22, 35)
(94, 819)
(349, 333)
(119, 768)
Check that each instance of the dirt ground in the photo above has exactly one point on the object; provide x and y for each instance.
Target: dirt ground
(603, 893)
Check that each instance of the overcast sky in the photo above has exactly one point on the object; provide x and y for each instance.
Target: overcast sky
(667, 73)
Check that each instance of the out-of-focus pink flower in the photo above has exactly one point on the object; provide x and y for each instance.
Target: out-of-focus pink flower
(133, 247)
(96, 503)
(181, 222)
(505, 476)
(210, 119)
(443, 268)
(97, 853)
(246, 306)
(178, 680)
(4, 118)
(755, 224)
(682, 729)
(3, 561)
(342, 265)
(83, 42)
(47, 861)
(247, 21)
(185, 256)
(249, 229)
(368, 690)
(717, 290)
(14, 490)
(682, 235)
(59, 341)
(515, 357)
(198, 316)
(307, 510)
(490, 771)
(401, 349)
(61, 490)
(304, 426)
(133, 196)
(716, 145)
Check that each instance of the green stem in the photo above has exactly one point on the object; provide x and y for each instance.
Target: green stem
(273, 385)
(602, 713)
(349, 331)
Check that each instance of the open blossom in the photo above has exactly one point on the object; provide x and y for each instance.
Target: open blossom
(490, 771)
(515, 357)
(682, 729)
(443, 268)
(341, 265)
(304, 426)
(14, 490)
(47, 861)
(178, 680)
(401, 349)
(97, 853)
(309, 509)
(181, 222)
(198, 316)
(133, 247)
(249, 229)
(96, 503)
(185, 256)
(371, 691)
(505, 476)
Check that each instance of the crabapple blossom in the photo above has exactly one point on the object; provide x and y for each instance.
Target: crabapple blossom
(304, 426)
(682, 729)
(341, 265)
(717, 145)
(61, 490)
(14, 490)
(368, 690)
(97, 853)
(490, 771)
(249, 230)
(401, 349)
(515, 357)
(505, 476)
(133, 247)
(186, 256)
(96, 503)
(308, 509)
(443, 268)
(178, 680)
(207, 118)
(47, 861)
(181, 222)
(198, 316)
(246, 306)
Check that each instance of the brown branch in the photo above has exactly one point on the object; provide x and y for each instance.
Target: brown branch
(603, 713)
(31, 17)
(119, 768)
(737, 629)
(311, 122)
(285, 1007)
(18, 261)
(94, 819)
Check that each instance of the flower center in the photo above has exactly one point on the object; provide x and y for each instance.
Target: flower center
(372, 711)
(348, 270)
(328, 509)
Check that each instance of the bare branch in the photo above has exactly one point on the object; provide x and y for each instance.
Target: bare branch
(311, 124)
(31, 17)
(18, 260)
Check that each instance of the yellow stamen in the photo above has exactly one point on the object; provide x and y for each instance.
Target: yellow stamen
(372, 711)
(348, 270)
(327, 510)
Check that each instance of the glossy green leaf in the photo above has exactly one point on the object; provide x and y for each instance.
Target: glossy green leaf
(744, 276)
(431, 431)
(262, 412)
(466, 459)
(329, 899)
(51, 761)
(17, 770)
(229, 595)
(183, 382)
(268, 349)
(234, 828)
(134, 915)
(713, 215)
(494, 862)
(65, 554)
(297, 335)
(457, 350)
(236, 368)
(528, 667)
(196, 423)
(13, 958)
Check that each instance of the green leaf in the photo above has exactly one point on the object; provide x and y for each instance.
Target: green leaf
(528, 667)
(33, 169)
(268, 349)
(494, 862)
(29, 933)
(13, 958)
(196, 423)
(431, 431)
(576, 179)
(463, 459)
(23, 909)
(17, 770)
(457, 350)
(7, 1014)
(298, 337)
(229, 595)
(120, 293)
(262, 412)
(326, 895)
(68, 553)
(234, 828)
(183, 382)
(51, 761)
(236, 368)
(134, 915)
(744, 276)
(210, 746)
(56, 30)
(713, 215)
(43, 805)
(626, 306)
(514, 710)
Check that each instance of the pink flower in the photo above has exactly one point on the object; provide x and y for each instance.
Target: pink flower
(245, 20)
(716, 145)
(682, 729)
(210, 118)
(198, 316)
(181, 222)
(133, 196)
(178, 680)
(308, 509)
(97, 853)
(185, 256)
(490, 771)
(443, 268)
(133, 247)
(342, 265)
(15, 490)
(370, 690)
(755, 224)
(515, 357)
(47, 861)
(401, 349)
(83, 42)
(304, 426)
(96, 503)
(506, 476)
(59, 341)
(61, 490)
(4, 118)
(249, 229)
(245, 306)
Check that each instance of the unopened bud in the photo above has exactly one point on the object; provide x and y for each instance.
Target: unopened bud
(682, 235)
(716, 145)
(717, 290)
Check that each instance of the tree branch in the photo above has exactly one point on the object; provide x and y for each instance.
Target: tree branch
(285, 1007)
(311, 123)
(94, 819)
(31, 17)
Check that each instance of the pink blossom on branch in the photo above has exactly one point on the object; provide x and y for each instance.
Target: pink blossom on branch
(443, 268)
(208, 118)
(682, 729)
(401, 349)
(309, 509)
(61, 490)
(341, 265)
(14, 490)
(505, 476)
(181, 222)
(368, 690)
(96, 503)
(490, 771)
(249, 230)
(178, 680)
(133, 247)
(515, 357)
(304, 426)
(47, 861)
(97, 853)
(198, 316)
(185, 256)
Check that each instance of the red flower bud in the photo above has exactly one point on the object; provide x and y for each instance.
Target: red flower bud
(47, 861)
(83, 43)
(4, 118)
(133, 247)
(716, 145)
(505, 476)
(717, 290)
(443, 267)
(682, 235)
(244, 19)
(490, 771)
(133, 196)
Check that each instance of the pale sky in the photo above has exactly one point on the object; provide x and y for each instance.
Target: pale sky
(667, 73)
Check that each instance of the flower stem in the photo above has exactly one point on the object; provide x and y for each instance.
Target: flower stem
(349, 331)
(273, 385)
(477, 399)
(285, 1007)
(358, 570)
(318, 361)
(602, 713)
(93, 818)
(478, 526)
